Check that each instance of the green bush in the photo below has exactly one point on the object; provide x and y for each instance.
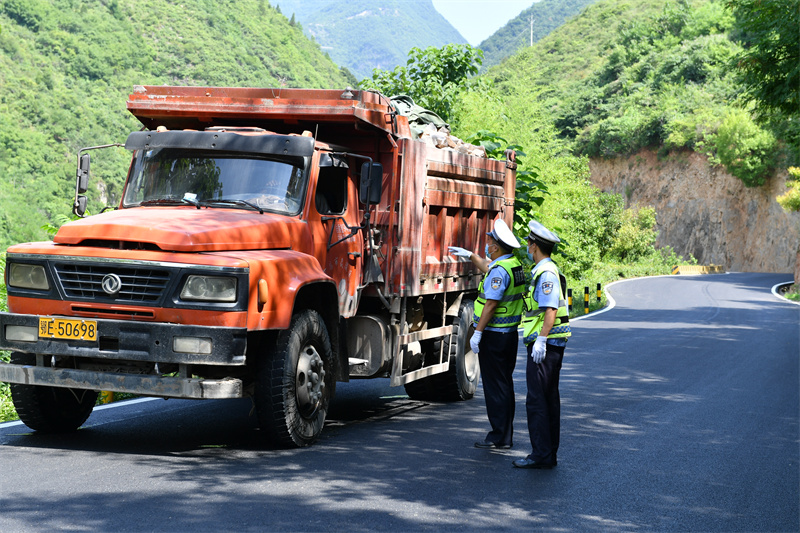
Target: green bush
(7, 411)
(790, 200)
(3, 297)
(746, 150)
(636, 236)
(432, 77)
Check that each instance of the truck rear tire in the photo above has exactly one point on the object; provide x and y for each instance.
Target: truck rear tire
(461, 380)
(295, 383)
(50, 409)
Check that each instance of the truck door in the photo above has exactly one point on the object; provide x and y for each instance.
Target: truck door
(336, 203)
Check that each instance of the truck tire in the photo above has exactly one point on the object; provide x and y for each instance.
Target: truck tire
(295, 383)
(461, 380)
(50, 409)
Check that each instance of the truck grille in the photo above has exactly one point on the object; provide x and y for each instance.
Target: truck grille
(138, 284)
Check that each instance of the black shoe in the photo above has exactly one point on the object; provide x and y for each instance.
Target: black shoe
(490, 444)
(530, 463)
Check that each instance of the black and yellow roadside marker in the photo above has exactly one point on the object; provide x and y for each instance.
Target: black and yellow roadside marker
(586, 300)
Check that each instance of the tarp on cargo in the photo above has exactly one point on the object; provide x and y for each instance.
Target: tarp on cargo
(418, 116)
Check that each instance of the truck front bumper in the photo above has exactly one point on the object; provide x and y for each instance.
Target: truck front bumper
(121, 340)
(146, 385)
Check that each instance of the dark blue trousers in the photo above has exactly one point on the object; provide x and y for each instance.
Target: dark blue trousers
(543, 404)
(498, 357)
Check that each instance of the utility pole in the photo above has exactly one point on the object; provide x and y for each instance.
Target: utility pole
(531, 29)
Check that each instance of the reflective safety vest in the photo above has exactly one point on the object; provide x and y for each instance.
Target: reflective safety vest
(508, 312)
(533, 320)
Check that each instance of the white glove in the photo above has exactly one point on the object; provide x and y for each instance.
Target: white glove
(475, 341)
(539, 349)
(459, 252)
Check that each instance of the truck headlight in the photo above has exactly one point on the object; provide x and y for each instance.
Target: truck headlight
(209, 289)
(25, 276)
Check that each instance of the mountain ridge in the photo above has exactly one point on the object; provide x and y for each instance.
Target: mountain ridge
(520, 32)
(337, 26)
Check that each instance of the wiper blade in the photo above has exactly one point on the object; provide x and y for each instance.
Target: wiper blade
(244, 203)
(170, 201)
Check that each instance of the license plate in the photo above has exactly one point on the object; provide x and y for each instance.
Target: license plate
(67, 328)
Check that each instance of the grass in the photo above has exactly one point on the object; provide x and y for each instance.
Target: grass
(792, 292)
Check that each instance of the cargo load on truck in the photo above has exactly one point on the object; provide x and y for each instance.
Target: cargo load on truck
(268, 243)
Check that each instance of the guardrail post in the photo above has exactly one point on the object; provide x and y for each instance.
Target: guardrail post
(586, 300)
(569, 300)
(598, 293)
(106, 397)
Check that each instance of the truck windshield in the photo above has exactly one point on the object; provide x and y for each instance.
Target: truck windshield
(215, 179)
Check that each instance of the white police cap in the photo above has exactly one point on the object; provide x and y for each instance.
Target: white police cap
(539, 232)
(503, 235)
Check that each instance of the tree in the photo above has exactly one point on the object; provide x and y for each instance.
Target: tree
(769, 31)
(432, 77)
(790, 200)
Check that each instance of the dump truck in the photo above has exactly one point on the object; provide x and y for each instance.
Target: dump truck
(268, 243)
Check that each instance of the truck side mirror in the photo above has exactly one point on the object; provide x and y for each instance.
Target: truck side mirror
(79, 207)
(81, 185)
(371, 182)
(83, 174)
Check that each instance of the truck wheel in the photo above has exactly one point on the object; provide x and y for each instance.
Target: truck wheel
(50, 409)
(461, 380)
(295, 383)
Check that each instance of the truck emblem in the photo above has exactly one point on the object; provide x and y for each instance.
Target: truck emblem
(111, 284)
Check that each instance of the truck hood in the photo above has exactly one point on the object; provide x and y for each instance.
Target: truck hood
(186, 229)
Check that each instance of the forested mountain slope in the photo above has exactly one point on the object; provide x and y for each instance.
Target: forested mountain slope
(67, 66)
(630, 74)
(366, 34)
(531, 25)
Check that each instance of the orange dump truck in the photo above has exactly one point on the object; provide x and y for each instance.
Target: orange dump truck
(268, 243)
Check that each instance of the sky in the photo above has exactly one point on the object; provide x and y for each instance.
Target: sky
(478, 19)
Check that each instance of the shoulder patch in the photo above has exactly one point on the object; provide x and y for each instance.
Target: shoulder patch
(496, 283)
(547, 287)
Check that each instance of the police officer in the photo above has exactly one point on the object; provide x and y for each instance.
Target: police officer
(498, 312)
(545, 332)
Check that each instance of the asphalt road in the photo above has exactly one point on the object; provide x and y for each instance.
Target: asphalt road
(680, 413)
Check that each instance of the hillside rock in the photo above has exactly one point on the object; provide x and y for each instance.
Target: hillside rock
(706, 212)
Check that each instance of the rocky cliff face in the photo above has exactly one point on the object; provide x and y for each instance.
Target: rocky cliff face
(706, 212)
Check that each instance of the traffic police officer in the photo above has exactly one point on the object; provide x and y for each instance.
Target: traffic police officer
(545, 332)
(498, 312)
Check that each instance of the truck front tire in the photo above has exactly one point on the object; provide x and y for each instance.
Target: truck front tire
(50, 409)
(296, 382)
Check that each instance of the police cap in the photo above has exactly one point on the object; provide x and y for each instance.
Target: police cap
(503, 235)
(541, 234)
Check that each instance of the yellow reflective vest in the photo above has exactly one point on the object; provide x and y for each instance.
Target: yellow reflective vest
(533, 318)
(508, 312)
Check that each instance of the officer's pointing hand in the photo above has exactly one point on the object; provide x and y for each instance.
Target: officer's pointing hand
(459, 252)
(539, 349)
(475, 341)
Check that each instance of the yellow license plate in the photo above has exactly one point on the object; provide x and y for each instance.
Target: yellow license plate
(67, 328)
